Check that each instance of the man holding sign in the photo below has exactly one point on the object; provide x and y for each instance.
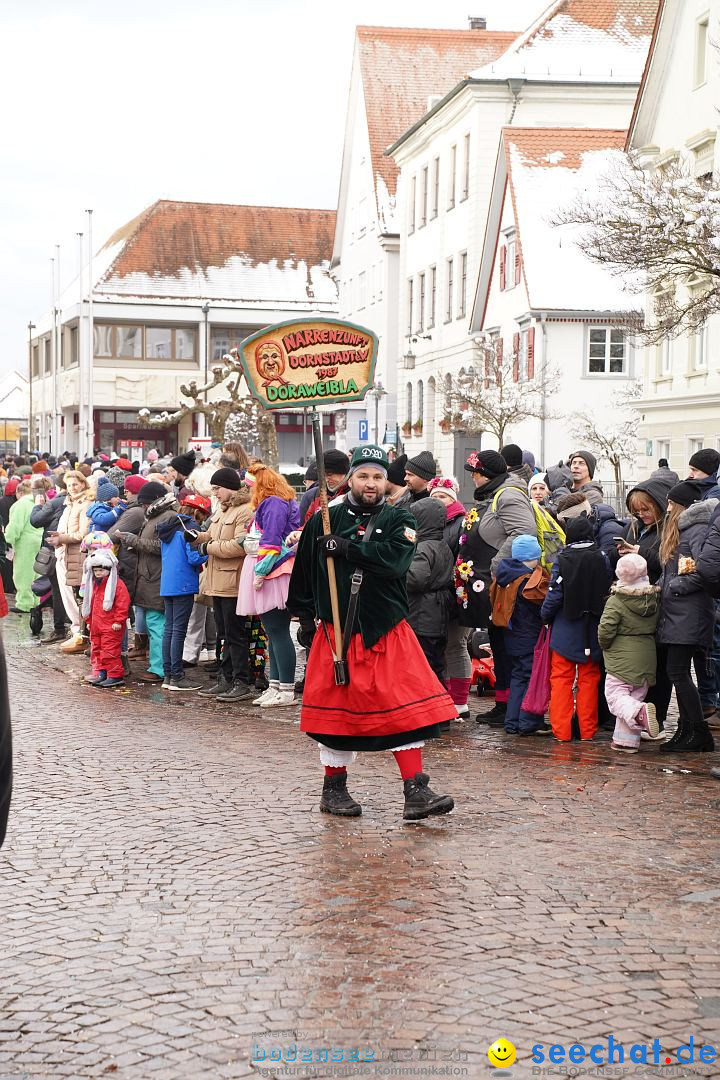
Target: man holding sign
(391, 700)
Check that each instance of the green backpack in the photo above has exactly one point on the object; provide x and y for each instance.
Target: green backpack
(551, 537)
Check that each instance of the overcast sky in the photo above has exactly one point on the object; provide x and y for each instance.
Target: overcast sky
(110, 106)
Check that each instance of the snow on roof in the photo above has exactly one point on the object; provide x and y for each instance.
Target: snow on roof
(547, 169)
(581, 39)
(247, 254)
(401, 69)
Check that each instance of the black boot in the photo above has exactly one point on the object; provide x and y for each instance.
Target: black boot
(336, 799)
(698, 740)
(495, 717)
(420, 801)
(668, 747)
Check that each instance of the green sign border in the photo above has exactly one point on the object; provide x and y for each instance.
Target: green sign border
(308, 402)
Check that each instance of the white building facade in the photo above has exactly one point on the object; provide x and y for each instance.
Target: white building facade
(564, 71)
(676, 120)
(172, 291)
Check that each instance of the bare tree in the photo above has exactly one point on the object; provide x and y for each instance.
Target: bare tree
(499, 395)
(611, 434)
(257, 421)
(660, 233)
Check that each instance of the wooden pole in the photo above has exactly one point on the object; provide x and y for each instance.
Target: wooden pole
(325, 512)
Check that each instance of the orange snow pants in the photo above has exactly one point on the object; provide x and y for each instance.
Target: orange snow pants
(562, 679)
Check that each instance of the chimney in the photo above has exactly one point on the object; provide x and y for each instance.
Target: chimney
(477, 22)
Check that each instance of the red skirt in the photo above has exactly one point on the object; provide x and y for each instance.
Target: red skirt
(392, 688)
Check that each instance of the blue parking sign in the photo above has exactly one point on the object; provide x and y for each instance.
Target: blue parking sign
(363, 430)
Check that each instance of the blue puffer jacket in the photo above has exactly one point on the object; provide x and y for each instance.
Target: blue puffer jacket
(180, 563)
(709, 487)
(522, 634)
(104, 516)
(567, 636)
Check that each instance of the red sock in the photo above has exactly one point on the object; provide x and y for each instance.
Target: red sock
(409, 762)
(330, 771)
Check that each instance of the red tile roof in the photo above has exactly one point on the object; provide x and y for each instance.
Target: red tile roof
(559, 146)
(402, 67)
(170, 237)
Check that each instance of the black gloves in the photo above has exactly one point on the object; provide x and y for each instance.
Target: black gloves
(333, 546)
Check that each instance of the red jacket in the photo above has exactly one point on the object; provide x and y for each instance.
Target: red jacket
(101, 620)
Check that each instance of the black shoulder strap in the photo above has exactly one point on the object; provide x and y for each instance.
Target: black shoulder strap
(355, 583)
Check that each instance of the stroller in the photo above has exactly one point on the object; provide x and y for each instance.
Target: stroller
(43, 590)
(483, 665)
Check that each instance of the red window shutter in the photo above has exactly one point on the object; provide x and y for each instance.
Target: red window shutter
(498, 360)
(518, 265)
(531, 352)
(503, 261)
(516, 357)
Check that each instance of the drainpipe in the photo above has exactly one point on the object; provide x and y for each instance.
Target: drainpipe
(543, 328)
(514, 86)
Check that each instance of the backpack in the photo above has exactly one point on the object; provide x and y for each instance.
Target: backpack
(551, 537)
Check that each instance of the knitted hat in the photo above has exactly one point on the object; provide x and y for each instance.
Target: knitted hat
(632, 570)
(422, 465)
(152, 455)
(102, 557)
(40, 466)
(337, 462)
(124, 463)
(226, 478)
(396, 471)
(116, 476)
(664, 464)
(528, 458)
(486, 462)
(573, 505)
(133, 484)
(578, 529)
(311, 472)
(149, 492)
(445, 483)
(11, 486)
(183, 463)
(706, 460)
(686, 492)
(589, 459)
(368, 455)
(106, 490)
(513, 455)
(197, 502)
(526, 547)
(538, 478)
(97, 540)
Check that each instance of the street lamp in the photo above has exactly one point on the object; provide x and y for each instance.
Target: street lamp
(31, 327)
(377, 391)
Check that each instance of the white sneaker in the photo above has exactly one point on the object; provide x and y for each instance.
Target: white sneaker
(204, 656)
(647, 737)
(279, 697)
(463, 712)
(270, 692)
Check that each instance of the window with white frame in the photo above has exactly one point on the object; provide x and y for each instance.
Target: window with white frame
(607, 351)
(701, 44)
(462, 294)
(410, 306)
(411, 205)
(466, 168)
(432, 297)
(509, 263)
(435, 202)
(421, 303)
(664, 356)
(695, 444)
(699, 349)
(452, 178)
(408, 403)
(449, 284)
(662, 449)
(423, 197)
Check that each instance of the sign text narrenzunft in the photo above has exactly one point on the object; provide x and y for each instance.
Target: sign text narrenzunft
(314, 362)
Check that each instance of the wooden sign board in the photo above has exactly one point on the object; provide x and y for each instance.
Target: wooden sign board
(309, 362)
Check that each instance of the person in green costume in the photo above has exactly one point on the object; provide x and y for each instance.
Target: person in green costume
(25, 541)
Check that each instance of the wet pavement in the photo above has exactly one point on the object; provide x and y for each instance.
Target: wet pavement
(174, 904)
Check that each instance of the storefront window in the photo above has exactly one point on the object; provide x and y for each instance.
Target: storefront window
(103, 340)
(158, 343)
(184, 345)
(130, 341)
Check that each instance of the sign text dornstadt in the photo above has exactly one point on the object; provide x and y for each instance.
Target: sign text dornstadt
(309, 362)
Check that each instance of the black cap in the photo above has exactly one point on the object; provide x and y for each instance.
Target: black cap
(513, 455)
(686, 492)
(486, 462)
(184, 463)
(706, 460)
(396, 471)
(149, 492)
(227, 478)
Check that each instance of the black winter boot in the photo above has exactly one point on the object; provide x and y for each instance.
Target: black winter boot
(421, 801)
(668, 747)
(336, 799)
(698, 740)
(495, 717)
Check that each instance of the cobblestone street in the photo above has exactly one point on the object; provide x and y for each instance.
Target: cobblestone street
(174, 904)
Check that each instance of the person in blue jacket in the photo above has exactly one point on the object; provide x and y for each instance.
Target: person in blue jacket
(179, 575)
(108, 506)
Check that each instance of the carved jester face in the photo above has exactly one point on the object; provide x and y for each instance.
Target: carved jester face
(270, 361)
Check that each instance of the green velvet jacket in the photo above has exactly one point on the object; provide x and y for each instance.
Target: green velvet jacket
(385, 560)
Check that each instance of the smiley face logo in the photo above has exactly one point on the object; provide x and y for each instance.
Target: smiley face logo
(501, 1054)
